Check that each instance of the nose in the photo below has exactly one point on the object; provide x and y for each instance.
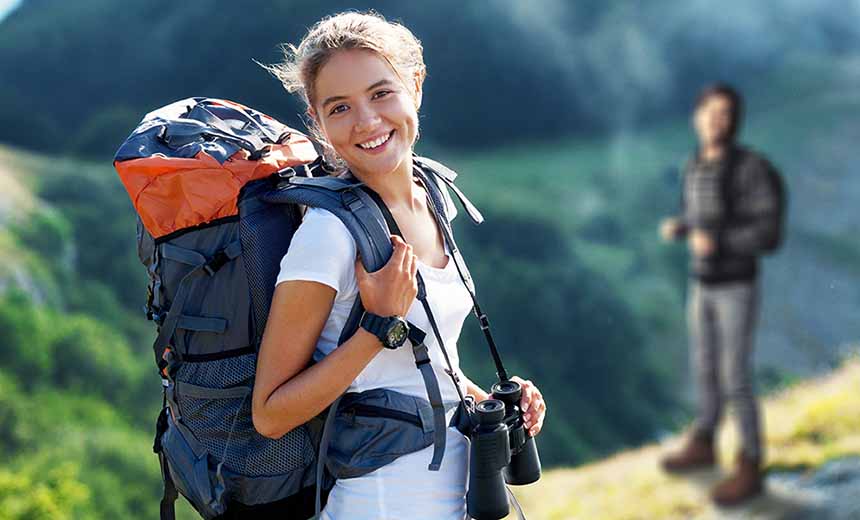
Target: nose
(368, 118)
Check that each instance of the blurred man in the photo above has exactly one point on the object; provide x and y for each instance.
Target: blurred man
(732, 207)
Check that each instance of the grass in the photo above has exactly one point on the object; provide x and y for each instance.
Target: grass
(807, 425)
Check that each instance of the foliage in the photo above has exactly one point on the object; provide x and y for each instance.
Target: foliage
(543, 71)
(576, 337)
(57, 495)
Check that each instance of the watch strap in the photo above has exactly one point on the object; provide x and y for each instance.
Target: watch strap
(374, 324)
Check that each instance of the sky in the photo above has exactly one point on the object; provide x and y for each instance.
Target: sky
(6, 7)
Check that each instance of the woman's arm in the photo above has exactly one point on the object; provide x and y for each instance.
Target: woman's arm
(286, 393)
(474, 390)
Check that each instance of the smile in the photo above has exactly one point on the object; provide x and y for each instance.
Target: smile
(376, 143)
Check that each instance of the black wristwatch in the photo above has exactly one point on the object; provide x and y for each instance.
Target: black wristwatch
(391, 331)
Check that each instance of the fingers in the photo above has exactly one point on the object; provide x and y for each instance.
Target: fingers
(411, 266)
(532, 405)
(400, 250)
(408, 258)
(360, 273)
(528, 391)
(536, 417)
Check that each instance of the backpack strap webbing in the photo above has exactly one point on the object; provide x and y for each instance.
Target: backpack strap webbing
(374, 203)
(437, 204)
(447, 176)
(167, 506)
(375, 218)
(200, 265)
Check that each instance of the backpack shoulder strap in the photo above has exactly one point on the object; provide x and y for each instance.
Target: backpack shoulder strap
(727, 180)
(684, 169)
(369, 227)
(439, 171)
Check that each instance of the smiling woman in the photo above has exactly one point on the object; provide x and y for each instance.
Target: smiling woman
(368, 114)
(361, 77)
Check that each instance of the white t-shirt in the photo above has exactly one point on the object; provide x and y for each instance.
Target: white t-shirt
(323, 251)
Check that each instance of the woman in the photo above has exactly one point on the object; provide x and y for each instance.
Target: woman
(361, 77)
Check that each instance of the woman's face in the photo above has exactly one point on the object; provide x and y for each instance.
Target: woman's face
(366, 112)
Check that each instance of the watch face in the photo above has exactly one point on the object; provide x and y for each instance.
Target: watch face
(397, 334)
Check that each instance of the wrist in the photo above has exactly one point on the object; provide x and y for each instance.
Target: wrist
(391, 331)
(369, 339)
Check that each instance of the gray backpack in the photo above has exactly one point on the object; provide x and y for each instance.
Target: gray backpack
(210, 289)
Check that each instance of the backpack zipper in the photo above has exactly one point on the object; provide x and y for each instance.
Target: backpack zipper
(369, 410)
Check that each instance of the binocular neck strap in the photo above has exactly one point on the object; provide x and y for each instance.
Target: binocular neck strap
(437, 206)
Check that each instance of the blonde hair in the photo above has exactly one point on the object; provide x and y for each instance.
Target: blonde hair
(349, 30)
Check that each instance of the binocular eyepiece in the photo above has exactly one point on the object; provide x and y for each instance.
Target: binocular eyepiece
(502, 451)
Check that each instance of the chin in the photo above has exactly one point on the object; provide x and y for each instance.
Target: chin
(383, 165)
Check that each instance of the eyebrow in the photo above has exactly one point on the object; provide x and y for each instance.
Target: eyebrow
(378, 84)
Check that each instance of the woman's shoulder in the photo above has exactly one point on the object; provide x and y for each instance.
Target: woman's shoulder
(322, 250)
(324, 230)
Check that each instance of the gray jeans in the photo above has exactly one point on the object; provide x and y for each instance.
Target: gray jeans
(721, 320)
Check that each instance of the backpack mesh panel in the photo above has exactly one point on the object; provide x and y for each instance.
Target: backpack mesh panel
(265, 231)
(211, 420)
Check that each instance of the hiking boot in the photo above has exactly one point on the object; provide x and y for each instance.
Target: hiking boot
(697, 453)
(745, 483)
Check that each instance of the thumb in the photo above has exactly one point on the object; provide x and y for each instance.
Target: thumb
(360, 272)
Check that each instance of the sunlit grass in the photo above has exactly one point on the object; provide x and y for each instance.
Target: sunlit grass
(806, 425)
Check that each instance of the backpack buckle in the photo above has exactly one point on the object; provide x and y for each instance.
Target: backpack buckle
(258, 154)
(286, 173)
(169, 363)
(216, 263)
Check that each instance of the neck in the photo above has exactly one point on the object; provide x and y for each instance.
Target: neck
(713, 151)
(395, 188)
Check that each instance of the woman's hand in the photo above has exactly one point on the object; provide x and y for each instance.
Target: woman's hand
(391, 290)
(532, 405)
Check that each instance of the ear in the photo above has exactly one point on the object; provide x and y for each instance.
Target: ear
(312, 114)
(418, 85)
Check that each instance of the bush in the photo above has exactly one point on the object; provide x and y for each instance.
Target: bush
(24, 330)
(31, 495)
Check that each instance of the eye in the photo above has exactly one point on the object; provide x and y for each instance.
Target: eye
(380, 94)
(337, 109)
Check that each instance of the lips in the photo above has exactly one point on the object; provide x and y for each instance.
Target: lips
(376, 143)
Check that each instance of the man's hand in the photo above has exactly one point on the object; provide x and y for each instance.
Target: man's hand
(701, 243)
(671, 229)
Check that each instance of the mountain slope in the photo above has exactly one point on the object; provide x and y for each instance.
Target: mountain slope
(807, 425)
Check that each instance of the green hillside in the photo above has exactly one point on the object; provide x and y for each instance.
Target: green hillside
(582, 298)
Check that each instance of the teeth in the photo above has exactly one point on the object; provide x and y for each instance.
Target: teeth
(376, 142)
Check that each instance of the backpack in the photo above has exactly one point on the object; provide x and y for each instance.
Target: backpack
(218, 189)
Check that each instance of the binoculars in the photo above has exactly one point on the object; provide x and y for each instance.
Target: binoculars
(502, 451)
